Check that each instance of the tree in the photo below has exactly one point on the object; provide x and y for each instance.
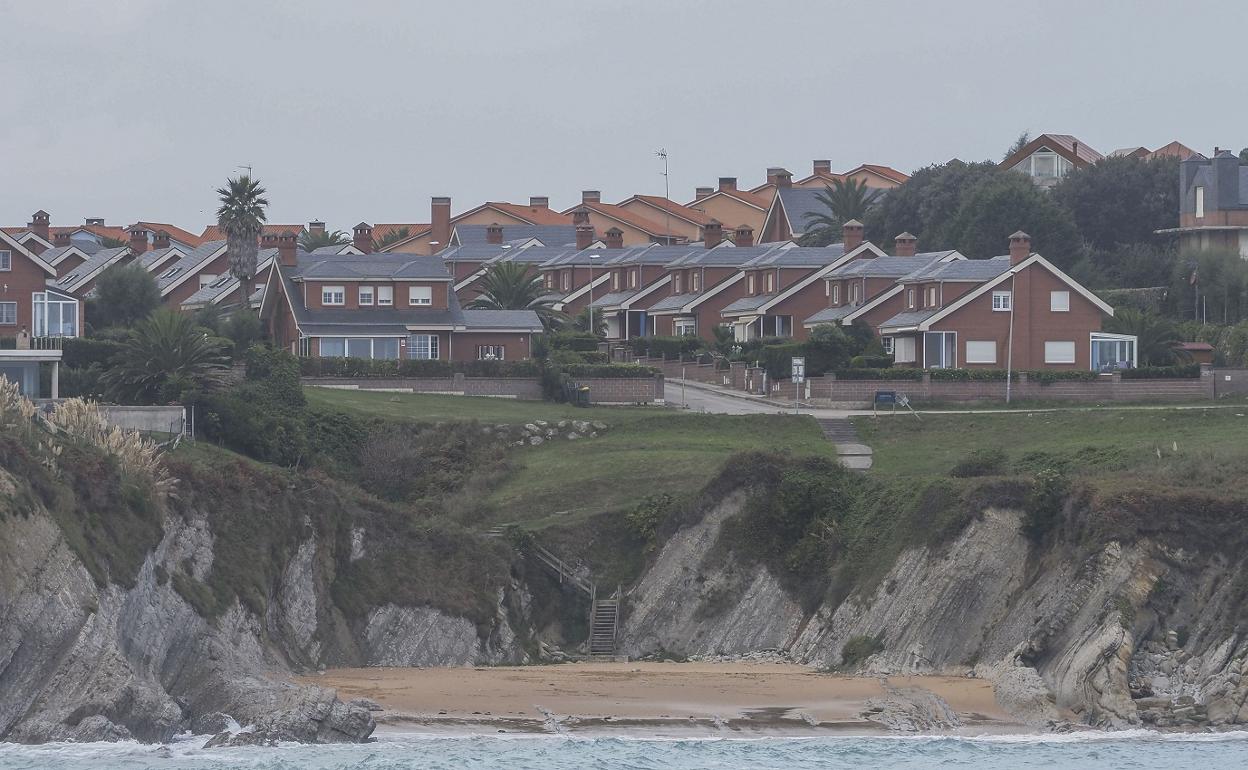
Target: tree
(843, 200)
(998, 204)
(512, 286)
(927, 204)
(112, 243)
(1210, 286)
(1019, 143)
(1156, 336)
(123, 295)
(394, 236)
(1121, 200)
(311, 241)
(241, 217)
(581, 322)
(165, 357)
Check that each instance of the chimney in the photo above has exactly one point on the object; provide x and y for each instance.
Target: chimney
(1020, 247)
(39, 224)
(743, 236)
(316, 227)
(591, 196)
(713, 232)
(95, 221)
(823, 167)
(703, 192)
(160, 240)
(780, 177)
(363, 237)
(268, 241)
(851, 235)
(727, 183)
(138, 240)
(61, 239)
(440, 217)
(615, 238)
(905, 245)
(494, 233)
(584, 235)
(539, 202)
(580, 216)
(286, 249)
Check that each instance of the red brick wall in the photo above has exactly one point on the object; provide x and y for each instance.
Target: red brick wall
(19, 285)
(351, 290)
(464, 345)
(216, 267)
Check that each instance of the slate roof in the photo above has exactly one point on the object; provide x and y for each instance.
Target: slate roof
(799, 202)
(798, 256)
(748, 303)
(888, 267)
(721, 256)
(549, 235)
(226, 285)
(910, 318)
(535, 255)
(673, 302)
(960, 270)
(614, 298)
(831, 314)
(376, 266)
(75, 278)
(501, 319)
(154, 256)
(190, 263)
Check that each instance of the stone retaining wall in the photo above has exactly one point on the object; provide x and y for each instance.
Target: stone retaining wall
(602, 390)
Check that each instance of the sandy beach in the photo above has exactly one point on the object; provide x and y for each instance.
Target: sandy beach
(662, 698)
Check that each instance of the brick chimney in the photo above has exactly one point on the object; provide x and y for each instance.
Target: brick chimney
(316, 227)
(851, 235)
(614, 238)
(138, 240)
(580, 216)
(539, 202)
(160, 240)
(584, 235)
(743, 236)
(1020, 247)
(727, 183)
(591, 196)
(287, 254)
(905, 244)
(713, 233)
(440, 219)
(363, 239)
(822, 167)
(39, 224)
(95, 221)
(61, 239)
(268, 241)
(703, 192)
(780, 177)
(494, 233)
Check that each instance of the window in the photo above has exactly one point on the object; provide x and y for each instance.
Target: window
(1059, 301)
(981, 351)
(686, 327)
(632, 279)
(333, 295)
(903, 350)
(1112, 351)
(385, 295)
(940, 350)
(333, 347)
(749, 288)
(836, 294)
(366, 295)
(1001, 300)
(931, 296)
(6, 260)
(566, 280)
(784, 325)
(1200, 202)
(549, 283)
(1044, 165)
(55, 315)
(1059, 352)
(8, 313)
(770, 283)
(386, 347)
(359, 348)
(910, 298)
(854, 290)
(423, 347)
(677, 283)
(695, 281)
(420, 295)
(171, 272)
(887, 343)
(615, 280)
(489, 352)
(206, 280)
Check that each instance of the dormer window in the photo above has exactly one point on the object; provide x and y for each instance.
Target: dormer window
(750, 284)
(678, 284)
(333, 295)
(695, 281)
(366, 295)
(910, 298)
(632, 279)
(385, 295)
(836, 294)
(770, 283)
(853, 294)
(1200, 203)
(615, 280)
(420, 295)
(171, 272)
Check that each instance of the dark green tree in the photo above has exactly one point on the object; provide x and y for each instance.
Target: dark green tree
(1211, 286)
(998, 204)
(513, 286)
(124, 295)
(310, 241)
(166, 356)
(1019, 143)
(1122, 200)
(927, 204)
(394, 236)
(842, 200)
(1156, 336)
(241, 217)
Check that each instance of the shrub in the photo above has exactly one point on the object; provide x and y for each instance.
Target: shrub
(858, 648)
(569, 340)
(1044, 505)
(1049, 376)
(645, 519)
(897, 373)
(81, 352)
(971, 375)
(667, 347)
(871, 362)
(980, 462)
(1181, 372)
(613, 371)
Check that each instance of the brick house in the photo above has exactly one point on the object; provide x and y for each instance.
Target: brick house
(684, 221)
(636, 225)
(1213, 203)
(1048, 158)
(80, 279)
(197, 268)
(383, 306)
(729, 205)
(1016, 310)
(786, 285)
(638, 279)
(32, 309)
(436, 236)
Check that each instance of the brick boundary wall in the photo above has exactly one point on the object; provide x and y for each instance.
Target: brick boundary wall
(1228, 381)
(602, 390)
(623, 390)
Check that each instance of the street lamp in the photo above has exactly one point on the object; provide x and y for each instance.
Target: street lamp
(592, 258)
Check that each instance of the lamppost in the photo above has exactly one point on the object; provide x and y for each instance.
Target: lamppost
(592, 259)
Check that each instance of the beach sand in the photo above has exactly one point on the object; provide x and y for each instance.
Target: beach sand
(662, 698)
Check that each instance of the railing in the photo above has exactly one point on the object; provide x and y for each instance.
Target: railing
(47, 343)
(564, 570)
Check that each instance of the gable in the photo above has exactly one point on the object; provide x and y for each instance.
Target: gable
(8, 243)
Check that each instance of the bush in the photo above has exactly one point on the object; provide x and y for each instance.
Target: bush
(980, 462)
(970, 375)
(858, 648)
(81, 352)
(578, 341)
(871, 362)
(1050, 376)
(666, 347)
(897, 373)
(612, 371)
(406, 367)
(1044, 505)
(1181, 372)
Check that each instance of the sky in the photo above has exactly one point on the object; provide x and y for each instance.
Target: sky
(360, 111)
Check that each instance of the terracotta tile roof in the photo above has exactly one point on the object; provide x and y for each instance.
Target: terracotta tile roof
(381, 230)
(613, 211)
(213, 232)
(103, 231)
(670, 206)
(888, 172)
(534, 215)
(751, 197)
(826, 176)
(1062, 144)
(1173, 150)
(175, 232)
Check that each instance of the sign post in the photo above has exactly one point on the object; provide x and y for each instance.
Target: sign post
(798, 376)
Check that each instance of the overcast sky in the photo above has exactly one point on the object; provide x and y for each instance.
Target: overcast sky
(362, 110)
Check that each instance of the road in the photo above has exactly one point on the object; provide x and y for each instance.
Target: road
(703, 399)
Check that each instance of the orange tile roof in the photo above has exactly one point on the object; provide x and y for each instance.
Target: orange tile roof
(175, 232)
(534, 215)
(380, 231)
(627, 217)
(888, 172)
(103, 231)
(1173, 150)
(213, 232)
(675, 209)
(752, 197)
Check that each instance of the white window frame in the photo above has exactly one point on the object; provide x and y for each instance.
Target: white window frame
(910, 299)
(1200, 202)
(770, 283)
(615, 280)
(6, 260)
(206, 279)
(1002, 301)
(905, 350)
(385, 296)
(1059, 301)
(431, 347)
(695, 281)
(1052, 356)
(5, 306)
(836, 294)
(366, 295)
(565, 280)
(887, 344)
(749, 288)
(684, 327)
(678, 284)
(632, 279)
(499, 351)
(415, 301)
(333, 296)
(943, 347)
(855, 291)
(981, 352)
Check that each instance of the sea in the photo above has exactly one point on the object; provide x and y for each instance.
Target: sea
(1083, 751)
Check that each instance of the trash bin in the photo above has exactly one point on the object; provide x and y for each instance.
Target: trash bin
(582, 396)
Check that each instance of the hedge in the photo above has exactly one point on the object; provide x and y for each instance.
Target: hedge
(666, 347)
(1048, 376)
(84, 351)
(365, 367)
(899, 373)
(613, 371)
(1181, 372)
(578, 341)
(969, 375)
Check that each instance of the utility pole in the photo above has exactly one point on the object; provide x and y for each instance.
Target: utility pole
(667, 195)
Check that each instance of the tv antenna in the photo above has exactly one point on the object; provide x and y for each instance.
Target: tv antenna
(667, 194)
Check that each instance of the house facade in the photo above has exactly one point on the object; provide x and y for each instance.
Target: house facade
(1213, 204)
(436, 236)
(638, 279)
(383, 306)
(1049, 158)
(34, 312)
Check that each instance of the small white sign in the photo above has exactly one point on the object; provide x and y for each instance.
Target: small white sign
(799, 369)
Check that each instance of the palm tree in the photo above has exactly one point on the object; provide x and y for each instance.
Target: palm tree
(311, 241)
(241, 217)
(511, 286)
(1156, 337)
(844, 200)
(165, 356)
(392, 237)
